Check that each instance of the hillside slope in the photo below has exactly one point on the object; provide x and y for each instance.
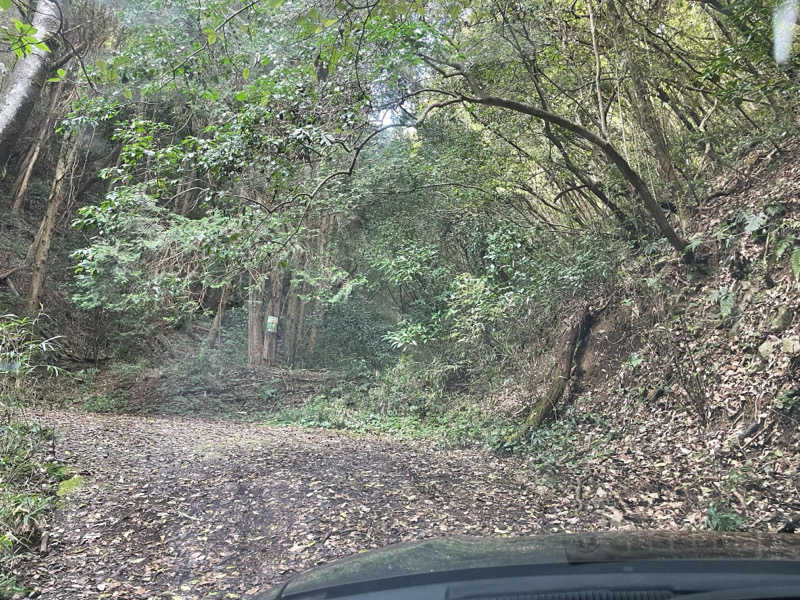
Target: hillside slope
(691, 386)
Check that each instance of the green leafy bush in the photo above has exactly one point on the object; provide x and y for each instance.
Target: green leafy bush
(9, 588)
(28, 483)
(27, 476)
(103, 403)
(720, 517)
(351, 333)
(788, 399)
(20, 351)
(268, 393)
(452, 427)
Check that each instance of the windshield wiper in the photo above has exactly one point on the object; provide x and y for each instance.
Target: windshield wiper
(754, 593)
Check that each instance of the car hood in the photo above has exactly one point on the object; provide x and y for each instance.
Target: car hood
(460, 554)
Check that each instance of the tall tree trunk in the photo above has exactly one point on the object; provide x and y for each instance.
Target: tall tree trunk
(297, 315)
(271, 337)
(275, 308)
(290, 325)
(216, 324)
(40, 248)
(313, 331)
(27, 78)
(255, 323)
(294, 310)
(298, 331)
(21, 184)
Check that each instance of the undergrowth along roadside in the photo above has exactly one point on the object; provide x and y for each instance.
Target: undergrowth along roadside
(462, 427)
(453, 424)
(30, 477)
(30, 482)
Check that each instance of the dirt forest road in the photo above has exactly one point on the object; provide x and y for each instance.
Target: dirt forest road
(188, 509)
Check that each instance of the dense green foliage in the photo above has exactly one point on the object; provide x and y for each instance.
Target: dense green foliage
(419, 188)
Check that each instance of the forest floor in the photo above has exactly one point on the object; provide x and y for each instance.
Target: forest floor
(228, 504)
(175, 507)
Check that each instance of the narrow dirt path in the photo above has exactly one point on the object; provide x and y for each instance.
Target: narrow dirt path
(184, 509)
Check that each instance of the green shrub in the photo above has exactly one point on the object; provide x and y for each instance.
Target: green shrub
(467, 426)
(268, 393)
(23, 516)
(27, 479)
(350, 333)
(9, 588)
(28, 482)
(788, 399)
(720, 517)
(103, 403)
(20, 352)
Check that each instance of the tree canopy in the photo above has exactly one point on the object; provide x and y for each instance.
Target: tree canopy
(388, 176)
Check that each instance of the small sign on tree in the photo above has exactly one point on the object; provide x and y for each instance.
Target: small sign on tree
(272, 324)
